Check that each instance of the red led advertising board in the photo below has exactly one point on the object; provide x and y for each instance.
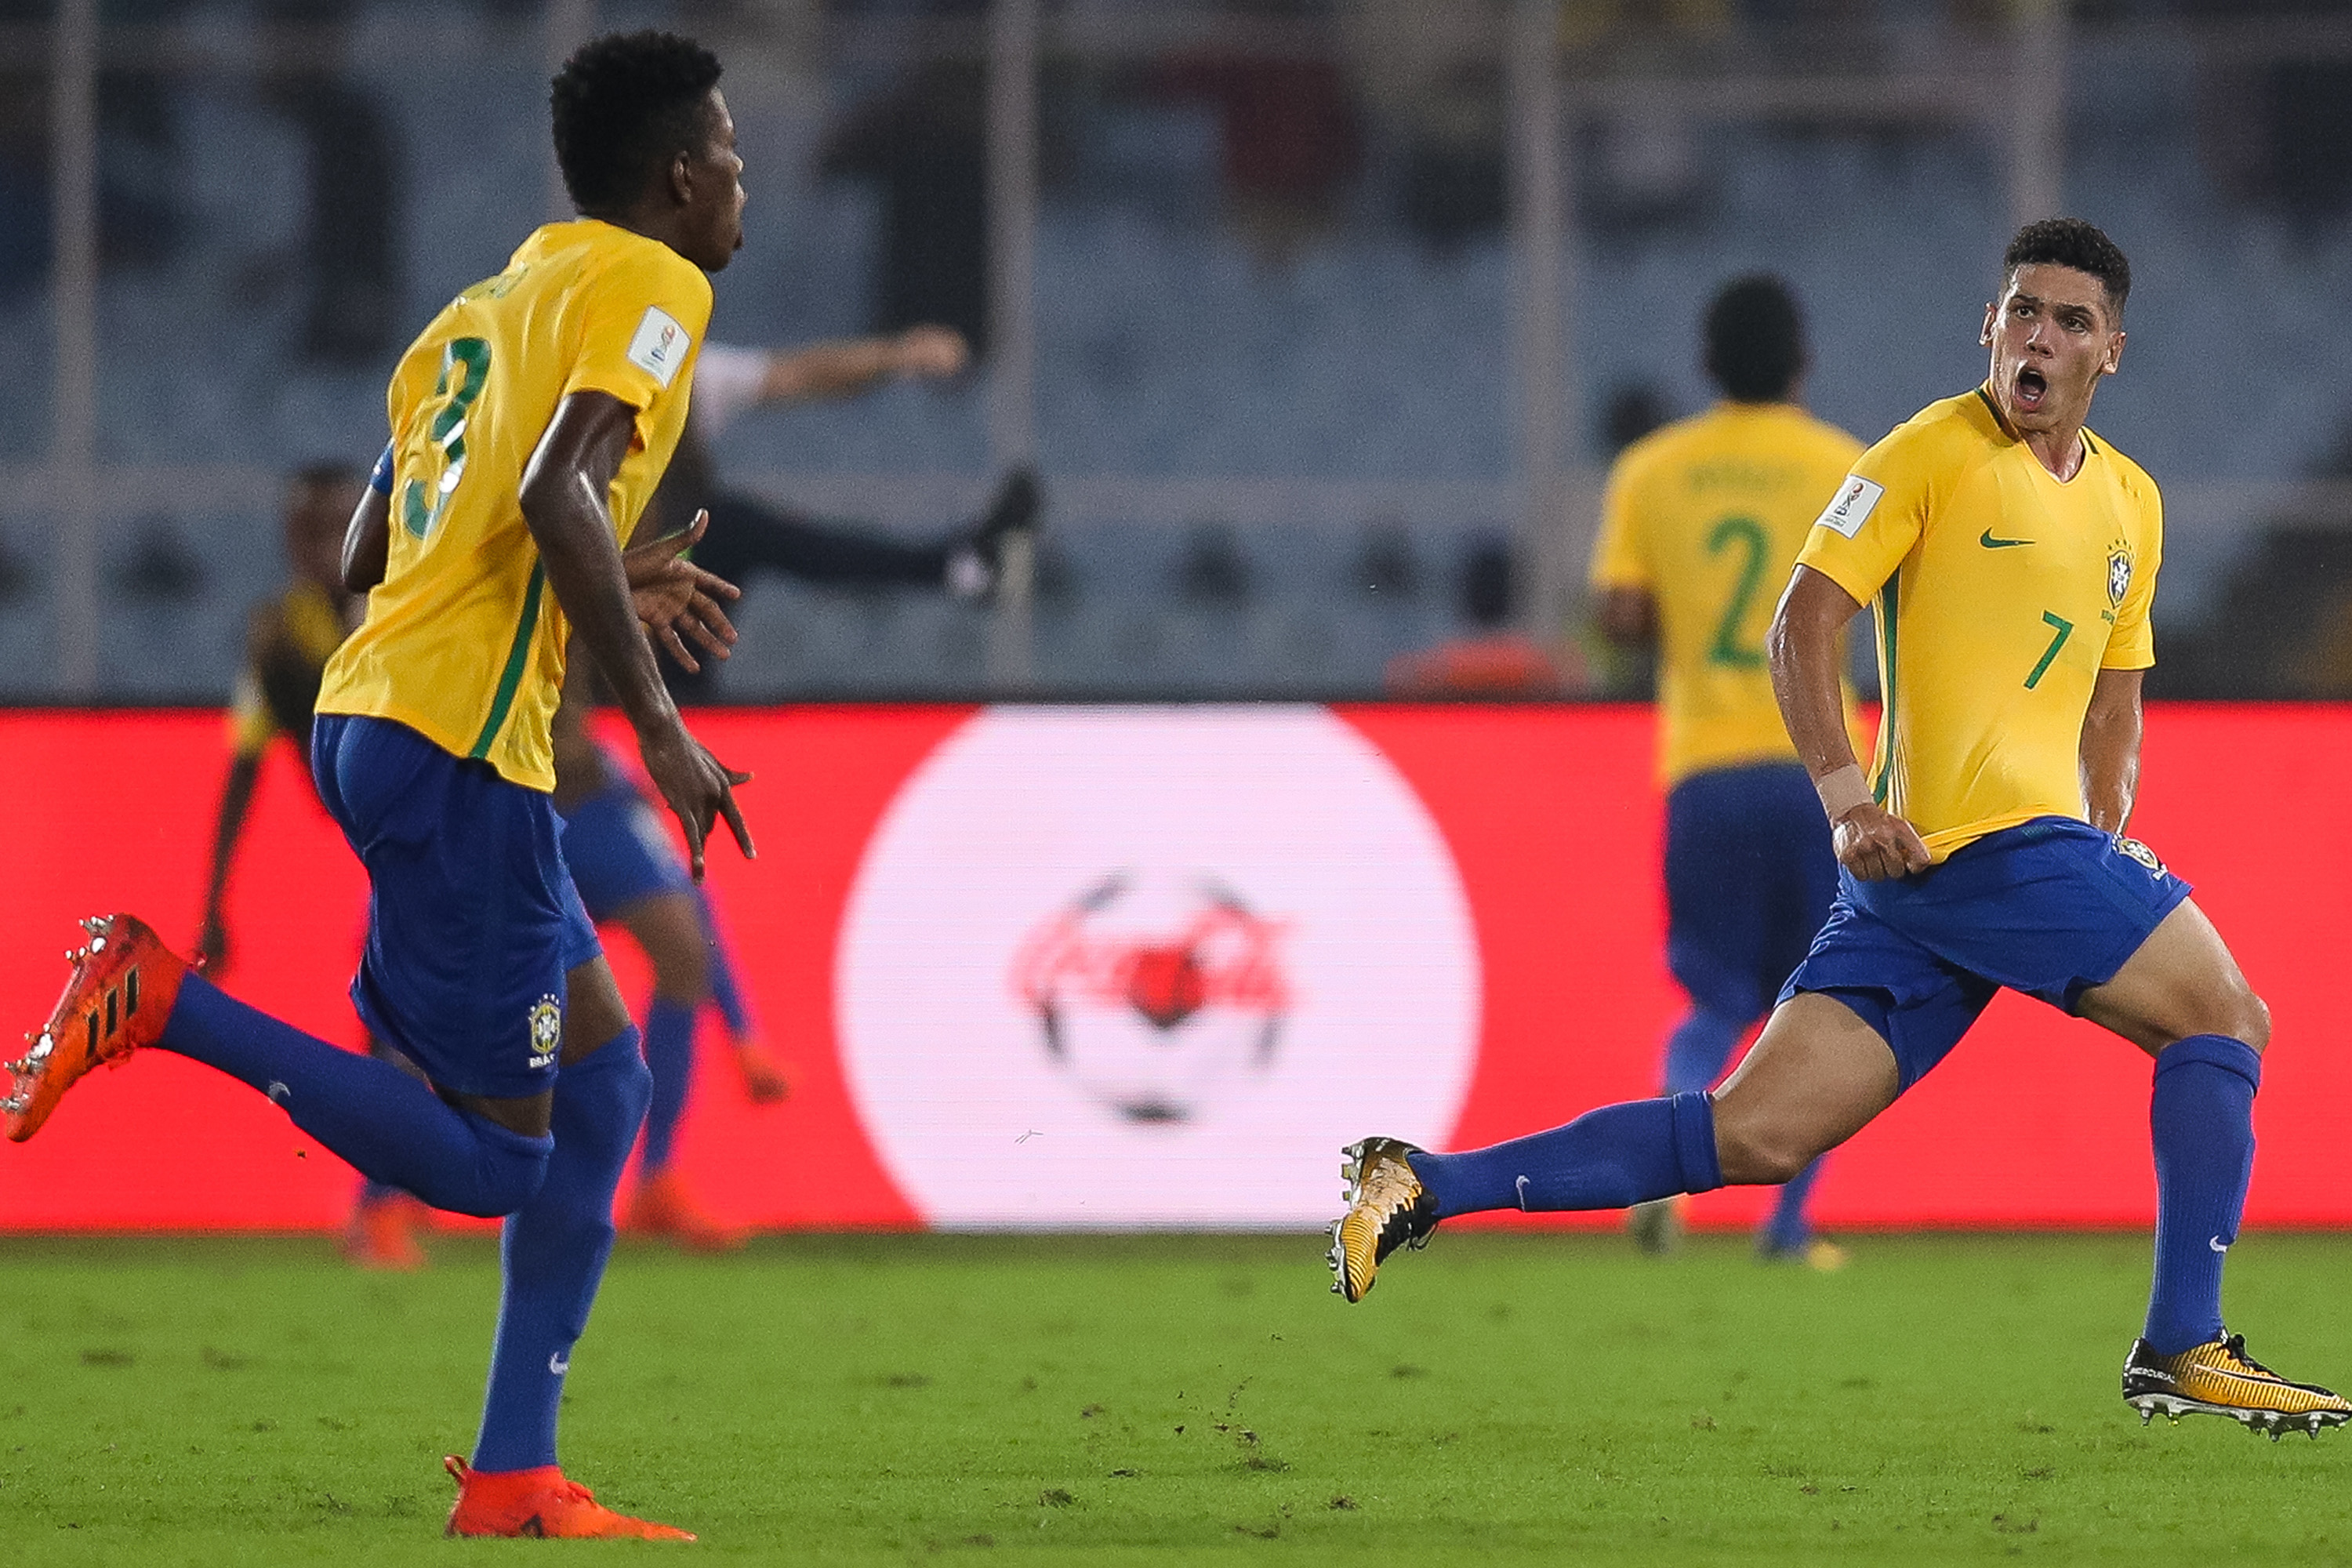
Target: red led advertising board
(1053, 967)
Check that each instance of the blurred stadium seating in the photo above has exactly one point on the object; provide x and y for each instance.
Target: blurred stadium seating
(1201, 372)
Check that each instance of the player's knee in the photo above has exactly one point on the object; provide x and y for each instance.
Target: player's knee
(1756, 1155)
(2253, 1020)
(509, 1169)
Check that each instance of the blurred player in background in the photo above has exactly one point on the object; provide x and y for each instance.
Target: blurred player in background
(749, 535)
(629, 874)
(530, 422)
(2013, 555)
(1702, 522)
(289, 639)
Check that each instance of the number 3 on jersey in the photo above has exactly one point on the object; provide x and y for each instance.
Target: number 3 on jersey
(421, 506)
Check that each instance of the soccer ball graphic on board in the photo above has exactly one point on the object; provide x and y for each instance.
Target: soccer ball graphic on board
(1150, 992)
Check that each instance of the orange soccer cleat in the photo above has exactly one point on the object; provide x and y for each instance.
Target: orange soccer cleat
(122, 988)
(540, 1503)
(382, 1235)
(662, 1206)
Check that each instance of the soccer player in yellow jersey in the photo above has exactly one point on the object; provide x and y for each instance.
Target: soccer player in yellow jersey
(2012, 555)
(529, 420)
(1699, 528)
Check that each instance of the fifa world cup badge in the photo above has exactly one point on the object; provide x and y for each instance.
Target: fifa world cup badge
(546, 1032)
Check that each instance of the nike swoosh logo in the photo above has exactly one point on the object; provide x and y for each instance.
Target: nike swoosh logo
(559, 1363)
(2218, 1245)
(1989, 542)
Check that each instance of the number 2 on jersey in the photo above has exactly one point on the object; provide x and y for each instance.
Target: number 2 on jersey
(469, 358)
(1747, 532)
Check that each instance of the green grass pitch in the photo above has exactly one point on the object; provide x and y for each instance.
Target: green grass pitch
(1139, 1400)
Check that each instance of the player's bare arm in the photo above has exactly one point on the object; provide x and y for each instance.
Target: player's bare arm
(1803, 648)
(1629, 618)
(367, 542)
(849, 366)
(563, 505)
(2111, 731)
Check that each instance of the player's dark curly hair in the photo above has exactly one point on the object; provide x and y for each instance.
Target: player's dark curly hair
(1755, 339)
(2070, 242)
(625, 104)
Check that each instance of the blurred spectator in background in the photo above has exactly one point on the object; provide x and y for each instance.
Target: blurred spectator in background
(1493, 660)
(1699, 530)
(748, 535)
(1289, 140)
(925, 145)
(289, 638)
(351, 275)
(1633, 410)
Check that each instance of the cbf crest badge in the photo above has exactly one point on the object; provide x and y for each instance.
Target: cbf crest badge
(2119, 575)
(546, 1032)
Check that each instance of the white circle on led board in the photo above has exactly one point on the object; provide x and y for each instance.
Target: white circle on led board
(1121, 967)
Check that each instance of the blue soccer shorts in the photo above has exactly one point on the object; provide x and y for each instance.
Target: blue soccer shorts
(2051, 908)
(617, 848)
(1750, 876)
(472, 919)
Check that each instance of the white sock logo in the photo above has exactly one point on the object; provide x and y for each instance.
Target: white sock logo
(559, 1363)
(2218, 1245)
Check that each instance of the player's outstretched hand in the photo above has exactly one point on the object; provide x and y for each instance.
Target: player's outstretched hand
(698, 787)
(673, 596)
(1876, 845)
(929, 353)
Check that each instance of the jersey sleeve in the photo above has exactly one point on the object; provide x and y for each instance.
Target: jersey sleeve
(642, 315)
(2132, 645)
(1617, 560)
(1873, 520)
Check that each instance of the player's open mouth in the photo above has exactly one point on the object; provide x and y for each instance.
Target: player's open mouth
(2031, 387)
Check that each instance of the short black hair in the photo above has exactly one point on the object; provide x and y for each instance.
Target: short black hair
(2070, 242)
(1755, 339)
(625, 105)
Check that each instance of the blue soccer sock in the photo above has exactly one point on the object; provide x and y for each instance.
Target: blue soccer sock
(392, 1128)
(1787, 1229)
(1612, 1158)
(1697, 1049)
(669, 1055)
(725, 990)
(373, 1192)
(2201, 1119)
(553, 1251)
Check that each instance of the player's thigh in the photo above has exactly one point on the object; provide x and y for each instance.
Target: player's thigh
(668, 926)
(1814, 1078)
(2182, 981)
(593, 1009)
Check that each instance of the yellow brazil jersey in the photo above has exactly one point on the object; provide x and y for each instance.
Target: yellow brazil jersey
(463, 641)
(1706, 516)
(2001, 594)
(303, 624)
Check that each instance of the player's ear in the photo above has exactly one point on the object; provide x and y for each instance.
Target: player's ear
(2115, 353)
(681, 179)
(1992, 313)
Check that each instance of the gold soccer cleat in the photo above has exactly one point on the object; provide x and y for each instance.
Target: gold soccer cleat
(122, 988)
(1387, 1207)
(2218, 1378)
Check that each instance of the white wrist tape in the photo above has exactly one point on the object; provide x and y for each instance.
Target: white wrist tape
(1842, 791)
